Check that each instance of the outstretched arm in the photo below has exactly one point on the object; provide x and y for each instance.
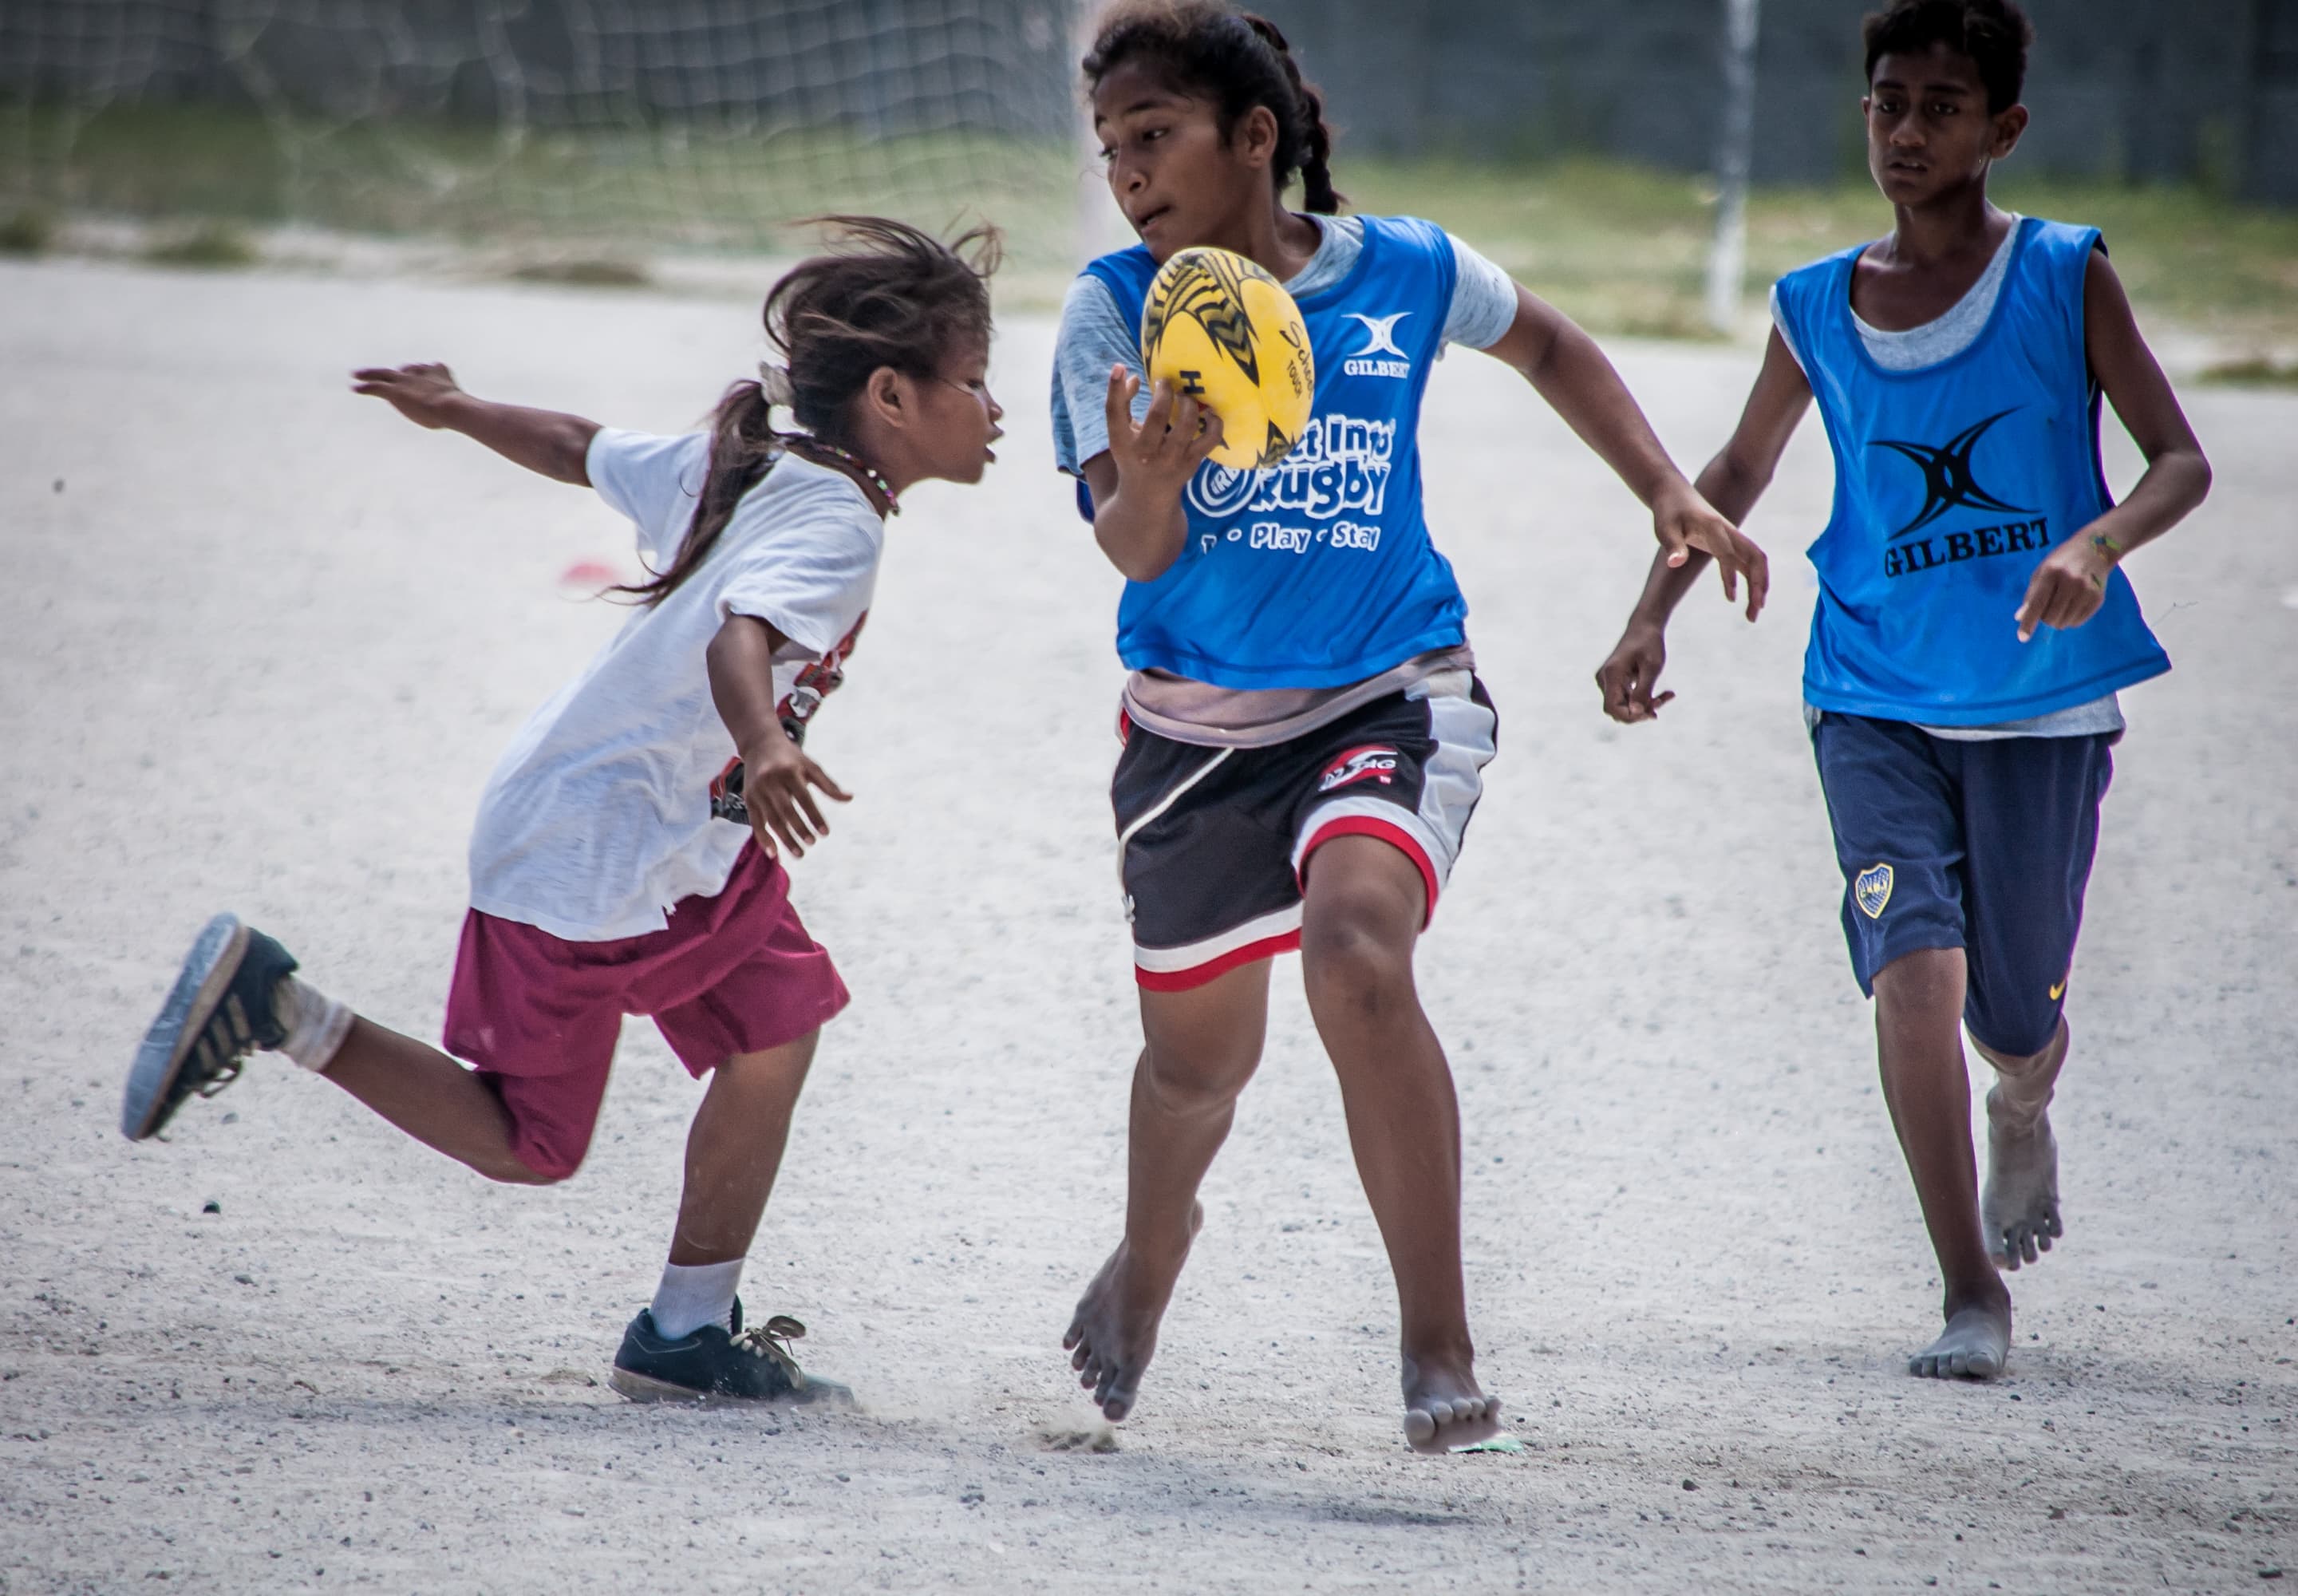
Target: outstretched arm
(1733, 483)
(1565, 367)
(2068, 588)
(556, 444)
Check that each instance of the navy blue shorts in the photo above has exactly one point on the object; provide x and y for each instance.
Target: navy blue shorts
(1981, 846)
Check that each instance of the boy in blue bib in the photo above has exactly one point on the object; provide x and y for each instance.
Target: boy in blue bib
(1973, 626)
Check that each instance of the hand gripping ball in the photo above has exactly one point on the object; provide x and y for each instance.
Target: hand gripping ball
(1226, 333)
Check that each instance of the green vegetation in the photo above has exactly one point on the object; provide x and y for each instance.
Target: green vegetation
(2259, 373)
(608, 191)
(1622, 248)
(213, 246)
(1625, 249)
(28, 231)
(583, 273)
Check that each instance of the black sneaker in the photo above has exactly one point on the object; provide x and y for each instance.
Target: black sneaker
(221, 1011)
(718, 1363)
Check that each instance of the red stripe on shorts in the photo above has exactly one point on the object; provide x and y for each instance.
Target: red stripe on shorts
(1197, 975)
(1388, 832)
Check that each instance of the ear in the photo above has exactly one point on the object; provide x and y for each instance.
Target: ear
(887, 396)
(1256, 137)
(2008, 126)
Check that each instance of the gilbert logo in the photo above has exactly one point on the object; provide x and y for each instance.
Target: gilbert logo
(1870, 889)
(1368, 763)
(1380, 340)
(1951, 483)
(1948, 482)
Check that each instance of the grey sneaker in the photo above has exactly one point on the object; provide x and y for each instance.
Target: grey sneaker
(718, 1363)
(220, 1010)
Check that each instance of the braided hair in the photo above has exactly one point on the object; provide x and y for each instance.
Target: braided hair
(1239, 60)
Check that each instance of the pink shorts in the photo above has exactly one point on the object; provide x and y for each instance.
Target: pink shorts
(540, 1015)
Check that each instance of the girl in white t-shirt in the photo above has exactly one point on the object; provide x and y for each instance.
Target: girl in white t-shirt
(601, 885)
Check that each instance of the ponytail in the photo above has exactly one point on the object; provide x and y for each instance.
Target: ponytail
(1240, 59)
(1314, 156)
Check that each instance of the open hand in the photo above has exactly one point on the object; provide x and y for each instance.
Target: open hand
(776, 779)
(420, 392)
(1626, 678)
(1684, 522)
(1157, 458)
(2070, 585)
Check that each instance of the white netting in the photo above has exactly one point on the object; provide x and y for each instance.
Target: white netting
(681, 122)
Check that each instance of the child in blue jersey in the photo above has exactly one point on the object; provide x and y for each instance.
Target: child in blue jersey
(1972, 627)
(1304, 731)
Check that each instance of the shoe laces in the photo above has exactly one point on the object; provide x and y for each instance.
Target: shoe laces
(772, 1341)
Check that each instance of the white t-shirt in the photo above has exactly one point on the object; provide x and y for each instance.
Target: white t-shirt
(597, 819)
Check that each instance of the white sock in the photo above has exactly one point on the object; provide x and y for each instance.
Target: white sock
(317, 1024)
(694, 1294)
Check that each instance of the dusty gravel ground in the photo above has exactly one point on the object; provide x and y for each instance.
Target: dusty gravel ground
(260, 642)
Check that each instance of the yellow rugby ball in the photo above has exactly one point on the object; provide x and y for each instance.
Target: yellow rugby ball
(1226, 333)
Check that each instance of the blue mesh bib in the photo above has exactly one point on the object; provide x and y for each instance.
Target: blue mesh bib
(1952, 483)
(1316, 572)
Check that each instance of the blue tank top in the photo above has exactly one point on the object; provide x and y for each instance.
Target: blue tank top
(1316, 572)
(1953, 482)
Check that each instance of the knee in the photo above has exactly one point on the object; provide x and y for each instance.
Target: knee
(508, 1168)
(1201, 1081)
(1355, 953)
(2028, 1055)
(1925, 982)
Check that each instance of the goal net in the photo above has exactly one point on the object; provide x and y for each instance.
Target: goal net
(628, 124)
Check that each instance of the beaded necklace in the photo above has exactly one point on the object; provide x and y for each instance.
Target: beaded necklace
(870, 473)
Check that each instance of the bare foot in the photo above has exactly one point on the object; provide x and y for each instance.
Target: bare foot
(1974, 1346)
(2018, 1210)
(1444, 1408)
(1113, 1334)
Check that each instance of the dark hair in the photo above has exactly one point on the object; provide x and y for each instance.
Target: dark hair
(1239, 59)
(1994, 34)
(883, 293)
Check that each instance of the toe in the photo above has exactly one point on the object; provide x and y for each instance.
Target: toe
(1117, 1401)
(1958, 1363)
(1073, 1334)
(1418, 1426)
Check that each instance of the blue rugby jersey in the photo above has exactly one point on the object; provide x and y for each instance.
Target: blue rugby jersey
(1953, 482)
(1316, 572)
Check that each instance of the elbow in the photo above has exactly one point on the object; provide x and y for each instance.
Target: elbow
(1141, 570)
(1735, 481)
(1135, 564)
(724, 652)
